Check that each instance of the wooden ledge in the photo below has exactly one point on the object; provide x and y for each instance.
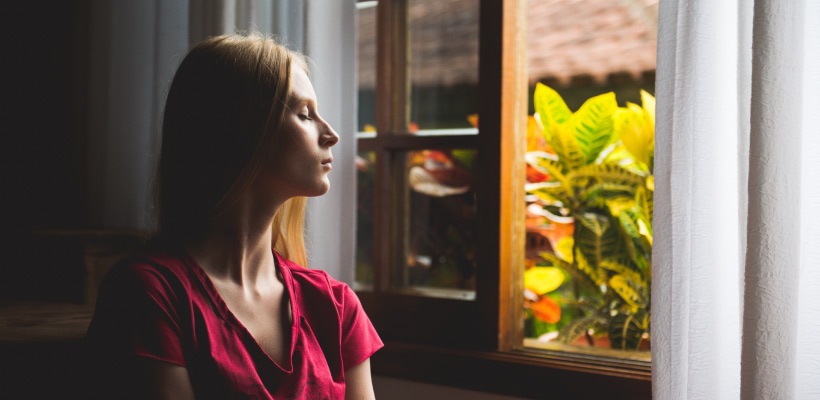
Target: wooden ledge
(528, 374)
(33, 322)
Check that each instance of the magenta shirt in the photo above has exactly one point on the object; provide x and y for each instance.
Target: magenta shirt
(164, 306)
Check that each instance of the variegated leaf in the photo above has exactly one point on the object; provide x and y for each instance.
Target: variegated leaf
(592, 125)
(626, 330)
(550, 108)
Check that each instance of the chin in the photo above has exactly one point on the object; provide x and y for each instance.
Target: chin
(318, 190)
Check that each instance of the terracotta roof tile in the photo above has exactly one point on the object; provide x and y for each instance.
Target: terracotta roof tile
(566, 38)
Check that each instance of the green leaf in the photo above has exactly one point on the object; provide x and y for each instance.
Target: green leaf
(582, 275)
(602, 195)
(616, 266)
(637, 244)
(552, 193)
(548, 164)
(566, 146)
(543, 162)
(596, 223)
(575, 329)
(596, 238)
(631, 287)
(597, 276)
(551, 109)
(592, 125)
(619, 155)
(610, 173)
(585, 306)
(629, 223)
(626, 330)
(643, 198)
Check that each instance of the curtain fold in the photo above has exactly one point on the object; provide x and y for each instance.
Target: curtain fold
(736, 200)
(807, 372)
(330, 42)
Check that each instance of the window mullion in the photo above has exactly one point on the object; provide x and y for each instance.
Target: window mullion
(502, 107)
(391, 119)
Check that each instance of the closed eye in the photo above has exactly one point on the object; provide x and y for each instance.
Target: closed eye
(304, 113)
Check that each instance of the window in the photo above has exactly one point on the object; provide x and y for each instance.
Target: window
(419, 159)
(596, 302)
(442, 206)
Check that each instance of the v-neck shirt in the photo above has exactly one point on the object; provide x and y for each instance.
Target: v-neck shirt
(163, 305)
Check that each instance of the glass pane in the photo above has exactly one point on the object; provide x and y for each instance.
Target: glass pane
(365, 204)
(443, 62)
(589, 239)
(366, 32)
(439, 234)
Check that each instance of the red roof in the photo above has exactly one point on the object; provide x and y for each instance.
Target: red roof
(566, 38)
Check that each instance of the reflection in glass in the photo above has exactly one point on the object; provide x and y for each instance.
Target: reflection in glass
(365, 202)
(443, 62)
(440, 222)
(366, 30)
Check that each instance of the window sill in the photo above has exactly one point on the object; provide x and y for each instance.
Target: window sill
(524, 373)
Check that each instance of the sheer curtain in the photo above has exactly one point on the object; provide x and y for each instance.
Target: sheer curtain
(737, 200)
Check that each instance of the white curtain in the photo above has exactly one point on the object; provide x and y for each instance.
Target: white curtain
(735, 306)
(330, 42)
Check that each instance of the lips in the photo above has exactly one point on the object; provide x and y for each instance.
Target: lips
(326, 163)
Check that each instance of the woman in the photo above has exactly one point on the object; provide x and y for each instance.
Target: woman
(210, 311)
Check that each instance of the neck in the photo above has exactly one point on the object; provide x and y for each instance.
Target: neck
(237, 246)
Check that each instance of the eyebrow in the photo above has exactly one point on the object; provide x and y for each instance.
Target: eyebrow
(296, 99)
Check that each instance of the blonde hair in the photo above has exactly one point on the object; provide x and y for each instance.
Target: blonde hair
(222, 117)
(288, 230)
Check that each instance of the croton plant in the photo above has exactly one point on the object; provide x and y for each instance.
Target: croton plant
(589, 193)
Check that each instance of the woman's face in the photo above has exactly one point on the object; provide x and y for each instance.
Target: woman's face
(301, 161)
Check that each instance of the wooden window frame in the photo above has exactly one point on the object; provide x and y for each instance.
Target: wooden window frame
(470, 344)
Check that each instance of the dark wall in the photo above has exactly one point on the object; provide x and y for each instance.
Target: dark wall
(42, 158)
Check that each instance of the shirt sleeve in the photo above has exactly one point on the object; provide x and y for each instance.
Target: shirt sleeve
(359, 337)
(137, 314)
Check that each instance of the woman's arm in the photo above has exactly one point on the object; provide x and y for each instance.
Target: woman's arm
(138, 379)
(162, 380)
(358, 383)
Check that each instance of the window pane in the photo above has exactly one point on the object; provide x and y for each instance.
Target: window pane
(439, 234)
(365, 204)
(589, 230)
(443, 62)
(366, 11)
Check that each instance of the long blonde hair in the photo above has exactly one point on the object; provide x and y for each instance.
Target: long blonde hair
(222, 118)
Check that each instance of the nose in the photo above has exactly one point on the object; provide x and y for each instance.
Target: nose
(329, 136)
